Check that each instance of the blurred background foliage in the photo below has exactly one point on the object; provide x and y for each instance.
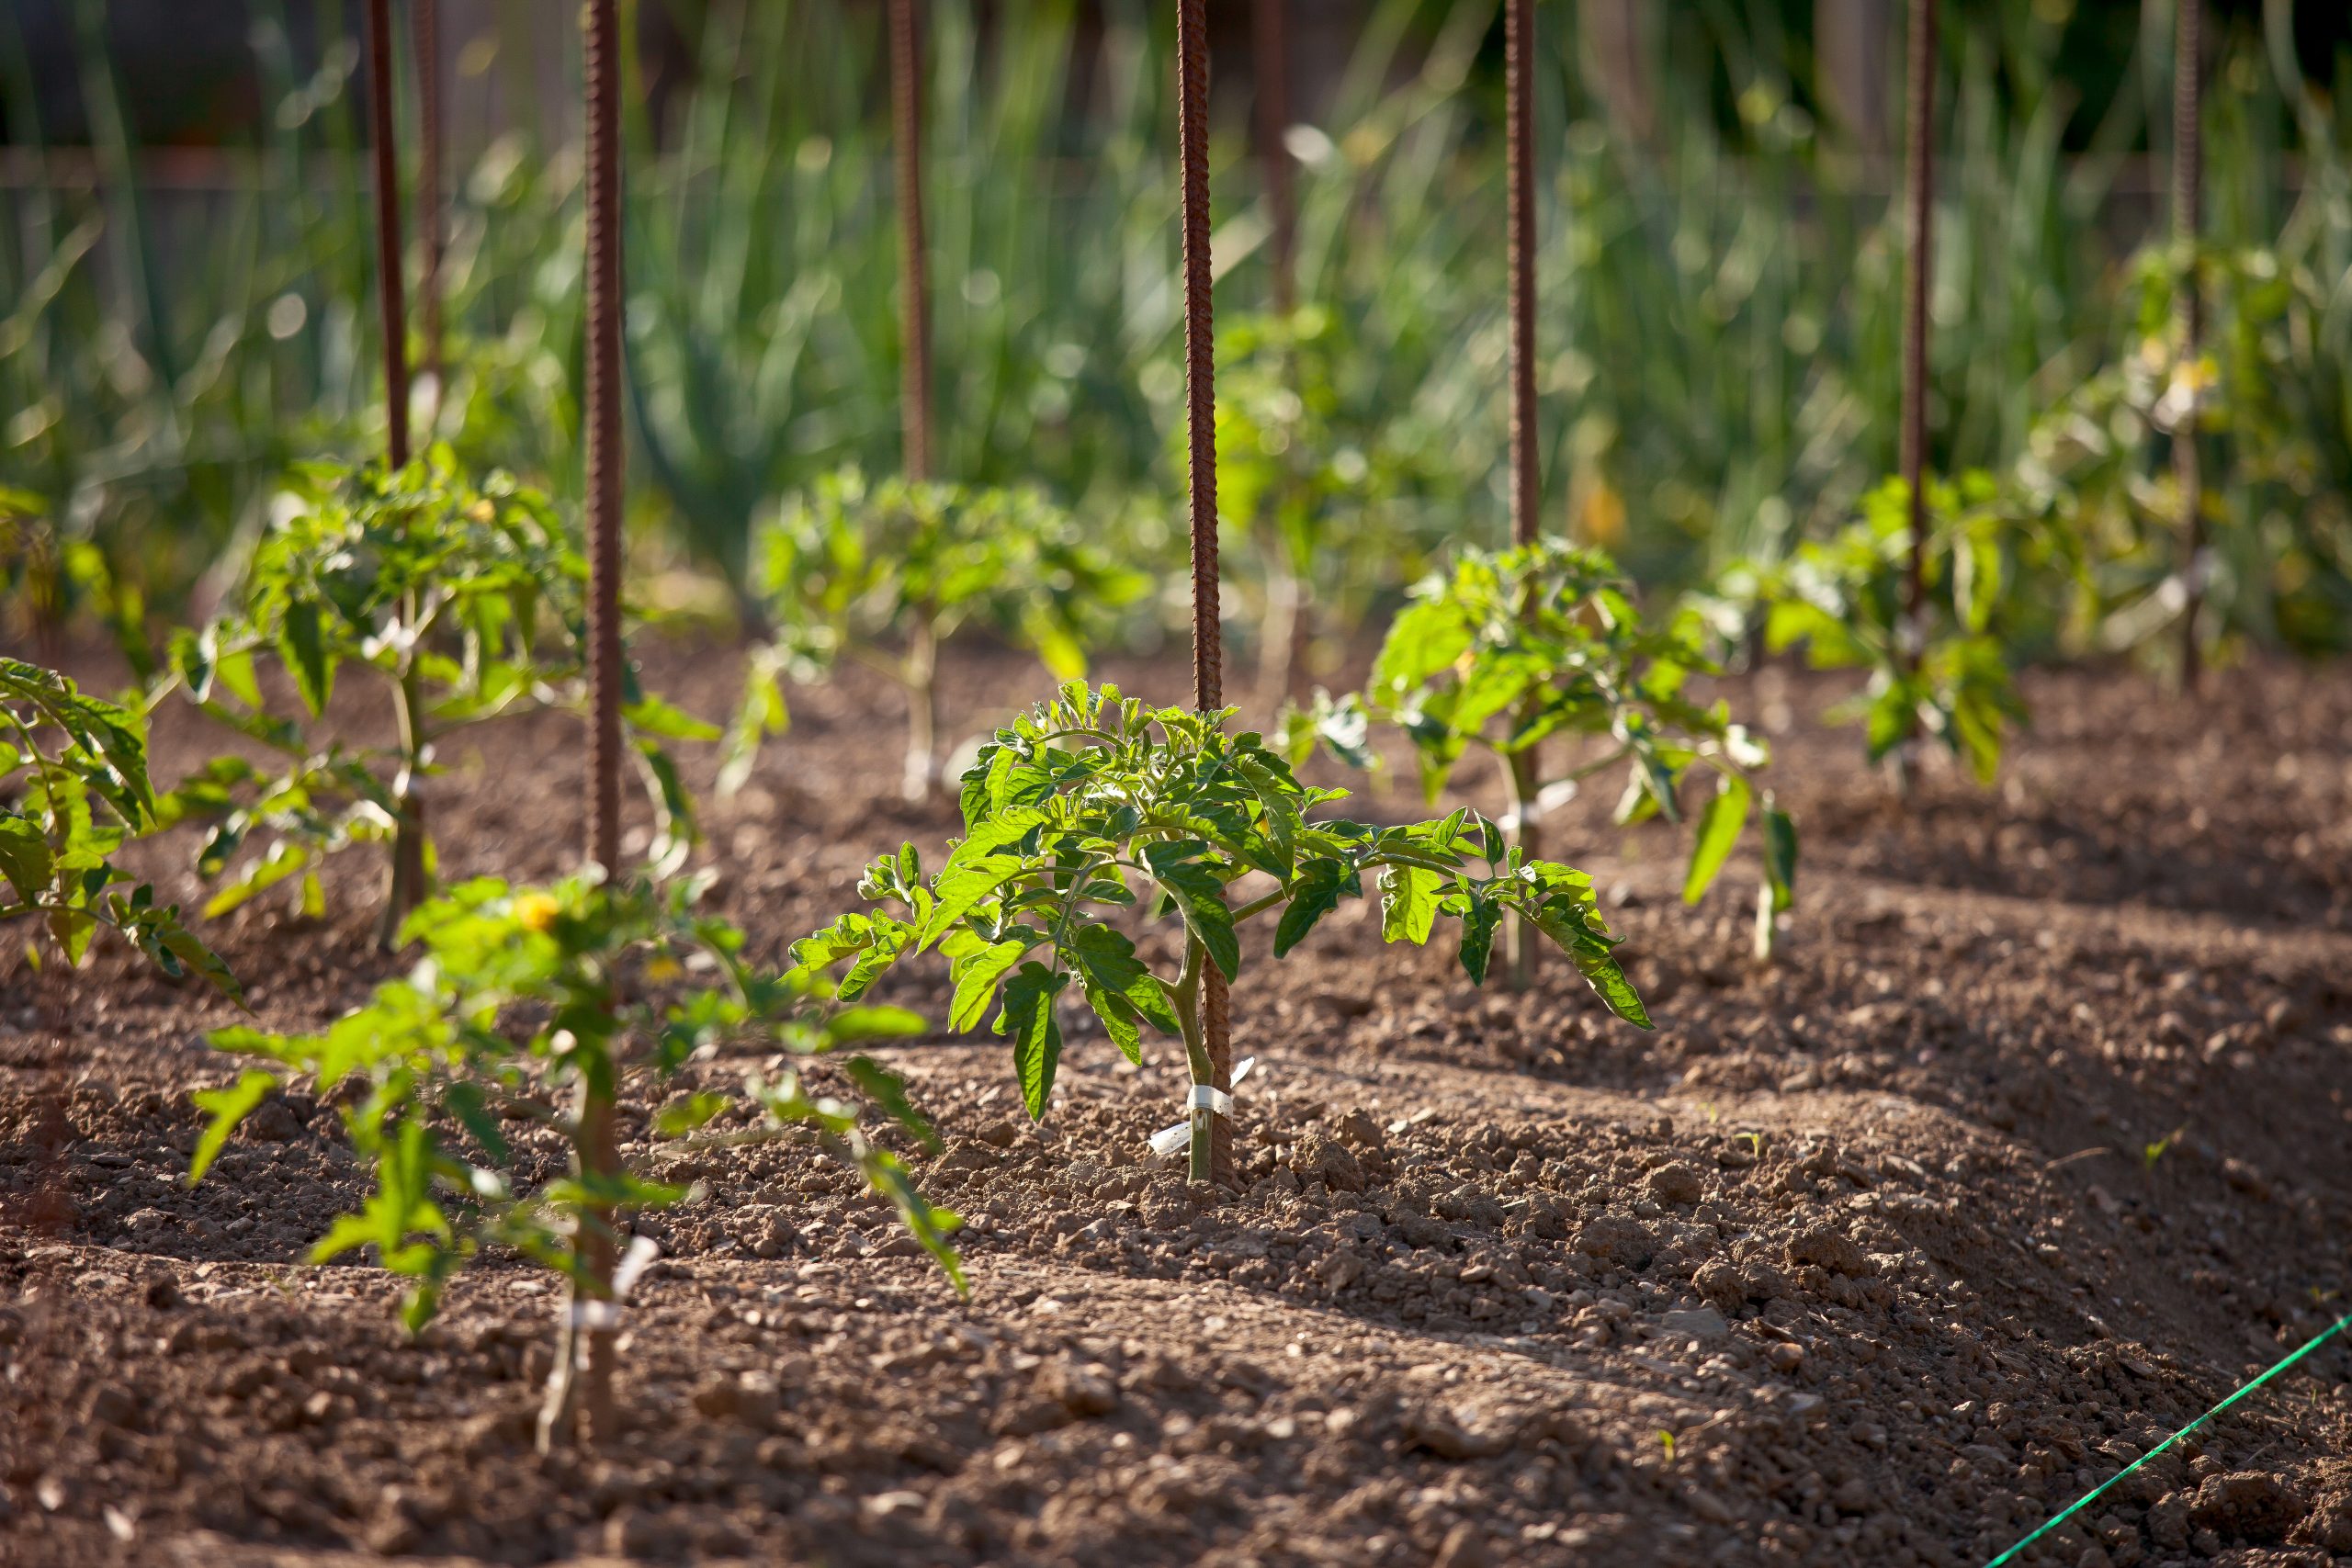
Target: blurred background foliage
(186, 280)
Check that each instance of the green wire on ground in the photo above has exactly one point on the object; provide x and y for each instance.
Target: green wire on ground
(2095, 1492)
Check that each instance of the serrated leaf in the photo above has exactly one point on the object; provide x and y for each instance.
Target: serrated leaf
(977, 974)
(959, 888)
(1199, 897)
(24, 858)
(1408, 899)
(302, 645)
(1028, 1017)
(1314, 891)
(1564, 921)
(1480, 915)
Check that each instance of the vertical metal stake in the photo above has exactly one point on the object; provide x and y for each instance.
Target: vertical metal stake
(1200, 391)
(1911, 637)
(2188, 311)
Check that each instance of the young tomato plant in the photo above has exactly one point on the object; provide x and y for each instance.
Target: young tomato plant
(1091, 800)
(2268, 379)
(1321, 487)
(849, 567)
(464, 603)
(1503, 650)
(523, 998)
(1843, 600)
(73, 787)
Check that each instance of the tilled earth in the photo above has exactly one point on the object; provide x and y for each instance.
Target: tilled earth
(2029, 1147)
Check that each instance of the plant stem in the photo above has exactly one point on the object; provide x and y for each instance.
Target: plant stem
(919, 673)
(1202, 1164)
(405, 886)
(1283, 631)
(1527, 834)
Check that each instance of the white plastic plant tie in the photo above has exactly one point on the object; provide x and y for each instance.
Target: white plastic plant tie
(593, 1313)
(1199, 1097)
(642, 1251)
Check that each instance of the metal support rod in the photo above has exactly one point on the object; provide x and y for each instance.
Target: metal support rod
(593, 1141)
(1200, 393)
(388, 229)
(2189, 310)
(914, 287)
(1919, 245)
(426, 34)
(1519, 67)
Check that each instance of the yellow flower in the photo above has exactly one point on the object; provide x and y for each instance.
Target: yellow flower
(536, 911)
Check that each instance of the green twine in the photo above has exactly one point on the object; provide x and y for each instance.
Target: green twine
(2094, 1494)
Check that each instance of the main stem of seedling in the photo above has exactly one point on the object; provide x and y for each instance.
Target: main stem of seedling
(920, 671)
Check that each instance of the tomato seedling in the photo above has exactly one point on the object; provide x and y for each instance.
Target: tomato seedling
(1322, 489)
(1503, 650)
(466, 603)
(852, 565)
(526, 996)
(73, 789)
(1088, 801)
(1842, 599)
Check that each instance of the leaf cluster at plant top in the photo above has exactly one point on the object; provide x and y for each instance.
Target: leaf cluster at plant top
(1096, 803)
(885, 571)
(1332, 496)
(466, 601)
(1506, 648)
(521, 994)
(74, 788)
(2270, 380)
(1843, 599)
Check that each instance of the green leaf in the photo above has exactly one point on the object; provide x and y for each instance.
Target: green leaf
(303, 647)
(1199, 897)
(695, 1111)
(227, 1107)
(873, 1023)
(1314, 891)
(653, 716)
(1565, 921)
(1409, 897)
(1480, 915)
(24, 858)
(1719, 827)
(183, 945)
(959, 888)
(976, 972)
(1028, 1017)
(1122, 992)
(887, 1090)
(1780, 856)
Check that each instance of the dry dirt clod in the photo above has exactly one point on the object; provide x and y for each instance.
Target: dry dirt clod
(2250, 1505)
(1465, 1547)
(1676, 1185)
(1828, 1248)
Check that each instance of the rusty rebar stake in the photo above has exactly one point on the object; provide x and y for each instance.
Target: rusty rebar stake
(1519, 109)
(389, 289)
(914, 286)
(1200, 394)
(1911, 637)
(591, 1345)
(425, 25)
(2189, 310)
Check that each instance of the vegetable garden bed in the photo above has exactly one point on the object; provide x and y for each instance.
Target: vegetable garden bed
(2026, 1147)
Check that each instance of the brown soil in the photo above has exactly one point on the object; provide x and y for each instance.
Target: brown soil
(2030, 1147)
